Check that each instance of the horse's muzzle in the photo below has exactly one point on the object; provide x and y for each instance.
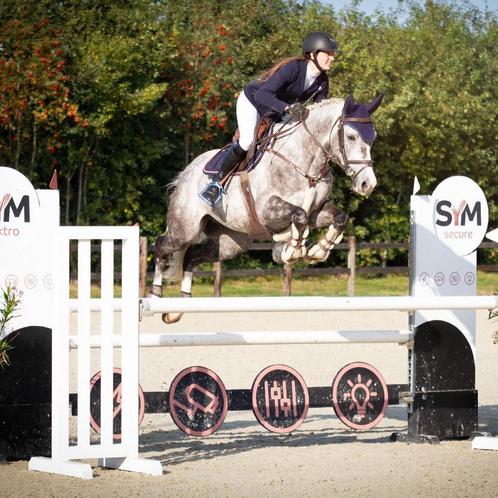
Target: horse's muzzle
(365, 182)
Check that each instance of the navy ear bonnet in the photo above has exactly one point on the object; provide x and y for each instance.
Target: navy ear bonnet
(365, 130)
(353, 110)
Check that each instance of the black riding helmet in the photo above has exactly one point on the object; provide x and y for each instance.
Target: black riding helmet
(319, 41)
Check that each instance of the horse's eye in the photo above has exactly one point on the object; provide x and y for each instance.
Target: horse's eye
(351, 137)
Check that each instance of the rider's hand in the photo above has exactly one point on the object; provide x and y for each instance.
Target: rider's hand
(297, 111)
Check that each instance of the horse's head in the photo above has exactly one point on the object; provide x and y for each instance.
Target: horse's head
(355, 136)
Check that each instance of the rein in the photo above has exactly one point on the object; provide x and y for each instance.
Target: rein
(344, 162)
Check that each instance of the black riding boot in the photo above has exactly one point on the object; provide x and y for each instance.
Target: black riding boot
(211, 194)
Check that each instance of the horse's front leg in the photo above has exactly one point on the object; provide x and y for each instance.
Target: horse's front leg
(278, 216)
(336, 220)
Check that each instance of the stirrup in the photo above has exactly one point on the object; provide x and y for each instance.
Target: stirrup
(211, 194)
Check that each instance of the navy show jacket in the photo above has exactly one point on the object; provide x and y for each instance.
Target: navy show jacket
(285, 87)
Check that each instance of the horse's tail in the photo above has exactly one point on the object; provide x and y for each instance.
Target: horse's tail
(175, 267)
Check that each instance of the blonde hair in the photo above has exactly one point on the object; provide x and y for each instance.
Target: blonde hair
(266, 75)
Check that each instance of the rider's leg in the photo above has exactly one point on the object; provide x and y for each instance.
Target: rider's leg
(211, 194)
(247, 119)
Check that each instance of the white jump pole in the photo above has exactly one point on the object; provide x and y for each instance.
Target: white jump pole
(151, 306)
(254, 338)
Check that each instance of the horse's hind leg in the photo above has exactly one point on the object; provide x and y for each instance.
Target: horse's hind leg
(168, 257)
(169, 251)
(162, 252)
(222, 245)
(164, 248)
(336, 220)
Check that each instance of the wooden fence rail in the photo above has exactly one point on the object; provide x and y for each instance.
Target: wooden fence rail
(351, 270)
(287, 272)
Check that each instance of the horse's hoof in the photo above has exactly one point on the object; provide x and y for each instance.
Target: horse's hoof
(170, 318)
(156, 291)
(314, 261)
(317, 254)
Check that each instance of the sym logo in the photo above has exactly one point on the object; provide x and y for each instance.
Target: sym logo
(460, 214)
(19, 208)
(9, 209)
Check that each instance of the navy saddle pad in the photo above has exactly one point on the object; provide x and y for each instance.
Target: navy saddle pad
(213, 166)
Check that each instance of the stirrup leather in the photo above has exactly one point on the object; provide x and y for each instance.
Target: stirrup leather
(212, 193)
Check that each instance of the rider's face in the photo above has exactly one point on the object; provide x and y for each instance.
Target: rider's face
(325, 59)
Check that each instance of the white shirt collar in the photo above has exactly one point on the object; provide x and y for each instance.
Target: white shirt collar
(312, 74)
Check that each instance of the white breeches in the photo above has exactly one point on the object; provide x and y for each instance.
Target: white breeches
(247, 119)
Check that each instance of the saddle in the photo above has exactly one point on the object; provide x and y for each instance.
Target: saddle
(254, 154)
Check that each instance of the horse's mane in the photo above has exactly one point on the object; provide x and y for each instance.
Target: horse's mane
(322, 103)
(172, 184)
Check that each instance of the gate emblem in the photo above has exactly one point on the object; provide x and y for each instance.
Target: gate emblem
(280, 399)
(95, 383)
(359, 396)
(198, 401)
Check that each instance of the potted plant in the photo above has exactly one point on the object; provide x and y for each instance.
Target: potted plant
(11, 299)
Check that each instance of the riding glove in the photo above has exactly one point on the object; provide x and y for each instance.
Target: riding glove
(297, 111)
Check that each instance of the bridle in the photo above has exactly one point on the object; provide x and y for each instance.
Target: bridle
(343, 161)
(345, 165)
(267, 145)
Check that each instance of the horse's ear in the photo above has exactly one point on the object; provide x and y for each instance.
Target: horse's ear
(349, 105)
(372, 106)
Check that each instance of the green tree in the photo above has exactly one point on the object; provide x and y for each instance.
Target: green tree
(120, 95)
(117, 56)
(438, 118)
(36, 106)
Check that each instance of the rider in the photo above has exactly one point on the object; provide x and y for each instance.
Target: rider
(281, 89)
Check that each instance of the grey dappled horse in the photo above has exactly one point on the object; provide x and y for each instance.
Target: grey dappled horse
(291, 189)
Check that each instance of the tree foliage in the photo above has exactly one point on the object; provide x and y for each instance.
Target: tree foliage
(120, 95)
(35, 100)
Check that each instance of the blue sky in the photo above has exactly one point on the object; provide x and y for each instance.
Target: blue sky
(369, 6)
